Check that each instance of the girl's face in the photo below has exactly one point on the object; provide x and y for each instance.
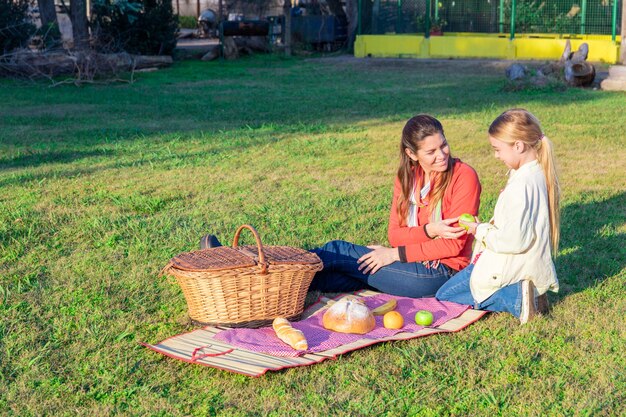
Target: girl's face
(433, 153)
(507, 153)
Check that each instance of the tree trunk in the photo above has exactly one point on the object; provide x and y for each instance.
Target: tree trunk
(352, 14)
(287, 34)
(80, 30)
(47, 12)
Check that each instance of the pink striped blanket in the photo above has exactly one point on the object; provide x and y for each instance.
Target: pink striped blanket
(264, 340)
(207, 346)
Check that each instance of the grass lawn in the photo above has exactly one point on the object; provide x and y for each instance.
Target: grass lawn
(101, 185)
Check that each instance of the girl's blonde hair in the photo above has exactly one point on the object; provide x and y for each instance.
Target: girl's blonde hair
(521, 125)
(414, 132)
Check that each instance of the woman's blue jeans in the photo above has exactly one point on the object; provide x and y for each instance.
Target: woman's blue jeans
(457, 289)
(407, 279)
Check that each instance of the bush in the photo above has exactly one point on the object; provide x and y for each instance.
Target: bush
(147, 27)
(188, 22)
(15, 26)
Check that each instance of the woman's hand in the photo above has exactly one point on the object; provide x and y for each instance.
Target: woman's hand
(445, 230)
(380, 256)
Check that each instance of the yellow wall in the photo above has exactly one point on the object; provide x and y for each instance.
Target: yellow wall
(387, 46)
(465, 45)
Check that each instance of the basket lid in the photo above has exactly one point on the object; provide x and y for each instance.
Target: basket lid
(212, 259)
(283, 255)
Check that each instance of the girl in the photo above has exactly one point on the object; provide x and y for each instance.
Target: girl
(512, 261)
(430, 186)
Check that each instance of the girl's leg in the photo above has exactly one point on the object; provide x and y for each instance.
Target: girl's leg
(507, 299)
(341, 273)
(457, 288)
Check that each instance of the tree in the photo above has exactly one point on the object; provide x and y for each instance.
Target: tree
(49, 24)
(47, 12)
(352, 14)
(80, 29)
(15, 26)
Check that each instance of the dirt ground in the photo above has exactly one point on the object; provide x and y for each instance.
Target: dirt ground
(459, 65)
(192, 47)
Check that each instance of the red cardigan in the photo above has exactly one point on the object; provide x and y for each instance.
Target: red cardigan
(461, 196)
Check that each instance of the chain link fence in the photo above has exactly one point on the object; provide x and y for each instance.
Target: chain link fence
(510, 17)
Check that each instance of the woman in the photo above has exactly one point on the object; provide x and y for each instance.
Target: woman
(431, 191)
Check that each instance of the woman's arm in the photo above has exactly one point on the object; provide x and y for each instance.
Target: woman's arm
(463, 197)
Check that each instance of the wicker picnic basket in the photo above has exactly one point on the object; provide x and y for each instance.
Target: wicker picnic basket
(244, 286)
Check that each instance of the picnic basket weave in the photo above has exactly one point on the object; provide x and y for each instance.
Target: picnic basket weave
(244, 286)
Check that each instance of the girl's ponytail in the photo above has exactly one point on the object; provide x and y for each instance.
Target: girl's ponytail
(545, 157)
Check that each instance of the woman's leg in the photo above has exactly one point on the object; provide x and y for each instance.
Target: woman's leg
(341, 273)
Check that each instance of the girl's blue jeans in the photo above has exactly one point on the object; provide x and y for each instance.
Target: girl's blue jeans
(407, 279)
(457, 289)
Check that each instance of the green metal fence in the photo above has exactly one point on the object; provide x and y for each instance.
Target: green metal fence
(508, 17)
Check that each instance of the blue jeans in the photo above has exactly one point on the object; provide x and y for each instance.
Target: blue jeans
(457, 289)
(341, 273)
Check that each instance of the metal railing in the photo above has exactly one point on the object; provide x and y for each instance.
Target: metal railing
(506, 17)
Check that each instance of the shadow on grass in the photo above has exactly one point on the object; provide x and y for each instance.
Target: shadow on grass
(249, 93)
(35, 159)
(113, 159)
(592, 246)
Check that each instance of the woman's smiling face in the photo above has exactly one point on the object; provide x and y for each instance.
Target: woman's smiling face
(433, 153)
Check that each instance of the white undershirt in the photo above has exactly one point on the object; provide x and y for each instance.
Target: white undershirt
(412, 220)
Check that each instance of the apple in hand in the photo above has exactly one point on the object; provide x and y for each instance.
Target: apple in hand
(464, 219)
(424, 318)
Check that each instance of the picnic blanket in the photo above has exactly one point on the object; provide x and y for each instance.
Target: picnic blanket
(253, 352)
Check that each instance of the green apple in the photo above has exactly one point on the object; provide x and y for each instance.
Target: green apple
(424, 318)
(464, 219)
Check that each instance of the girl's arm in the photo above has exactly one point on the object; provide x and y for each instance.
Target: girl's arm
(513, 232)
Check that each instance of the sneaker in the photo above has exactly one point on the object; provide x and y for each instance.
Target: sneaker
(529, 302)
(209, 241)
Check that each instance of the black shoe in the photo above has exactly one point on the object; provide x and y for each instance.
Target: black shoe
(543, 306)
(209, 241)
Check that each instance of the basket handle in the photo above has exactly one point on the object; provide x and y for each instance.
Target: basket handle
(259, 245)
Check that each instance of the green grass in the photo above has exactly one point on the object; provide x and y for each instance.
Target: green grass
(101, 185)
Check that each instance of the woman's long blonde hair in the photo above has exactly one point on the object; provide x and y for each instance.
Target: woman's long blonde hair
(415, 131)
(521, 125)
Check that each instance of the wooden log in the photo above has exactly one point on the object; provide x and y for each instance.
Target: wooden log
(51, 64)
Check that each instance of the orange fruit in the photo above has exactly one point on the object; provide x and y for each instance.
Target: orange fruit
(393, 320)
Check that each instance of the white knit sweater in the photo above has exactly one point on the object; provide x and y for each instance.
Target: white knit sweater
(515, 244)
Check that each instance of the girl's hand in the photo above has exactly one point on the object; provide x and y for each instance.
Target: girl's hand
(471, 228)
(443, 229)
(380, 256)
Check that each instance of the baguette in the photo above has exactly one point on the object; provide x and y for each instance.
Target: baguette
(293, 337)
